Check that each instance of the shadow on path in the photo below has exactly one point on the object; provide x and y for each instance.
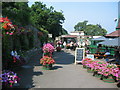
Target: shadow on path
(56, 67)
(26, 72)
(63, 58)
(32, 68)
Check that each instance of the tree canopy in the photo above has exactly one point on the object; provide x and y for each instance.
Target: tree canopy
(47, 18)
(90, 29)
(38, 15)
(18, 12)
(64, 32)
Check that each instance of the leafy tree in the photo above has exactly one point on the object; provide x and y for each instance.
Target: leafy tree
(18, 12)
(47, 18)
(64, 32)
(90, 29)
(81, 26)
(37, 15)
(95, 30)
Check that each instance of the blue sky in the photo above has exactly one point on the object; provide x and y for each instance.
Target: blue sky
(102, 13)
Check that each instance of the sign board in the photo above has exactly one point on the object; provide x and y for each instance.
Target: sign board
(79, 55)
(90, 56)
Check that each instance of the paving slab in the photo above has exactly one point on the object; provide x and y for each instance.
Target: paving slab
(67, 75)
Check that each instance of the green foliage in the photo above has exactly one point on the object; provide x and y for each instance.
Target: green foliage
(81, 26)
(64, 32)
(16, 42)
(38, 15)
(43, 30)
(30, 37)
(24, 41)
(6, 50)
(93, 30)
(43, 38)
(18, 12)
(47, 18)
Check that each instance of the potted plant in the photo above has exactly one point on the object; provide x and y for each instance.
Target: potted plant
(85, 62)
(9, 78)
(48, 49)
(109, 73)
(47, 62)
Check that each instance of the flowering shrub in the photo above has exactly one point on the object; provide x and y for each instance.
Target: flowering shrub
(20, 30)
(102, 68)
(9, 78)
(85, 61)
(48, 49)
(47, 60)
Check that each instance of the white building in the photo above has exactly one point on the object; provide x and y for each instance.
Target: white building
(78, 33)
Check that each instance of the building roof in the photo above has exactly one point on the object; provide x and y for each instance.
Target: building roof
(114, 34)
(112, 42)
(102, 38)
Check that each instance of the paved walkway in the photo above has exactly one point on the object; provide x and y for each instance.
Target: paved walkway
(65, 74)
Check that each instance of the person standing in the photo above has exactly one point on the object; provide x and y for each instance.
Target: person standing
(64, 44)
(107, 54)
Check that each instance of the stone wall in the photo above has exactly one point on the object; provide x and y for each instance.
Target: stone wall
(37, 42)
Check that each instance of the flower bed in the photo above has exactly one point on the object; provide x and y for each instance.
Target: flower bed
(102, 69)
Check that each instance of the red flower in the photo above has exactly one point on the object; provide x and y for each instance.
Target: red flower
(1, 20)
(4, 19)
(46, 60)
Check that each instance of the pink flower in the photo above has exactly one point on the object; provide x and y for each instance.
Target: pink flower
(11, 33)
(7, 32)
(48, 48)
(11, 81)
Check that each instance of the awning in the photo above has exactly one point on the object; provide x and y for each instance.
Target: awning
(102, 38)
(112, 42)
